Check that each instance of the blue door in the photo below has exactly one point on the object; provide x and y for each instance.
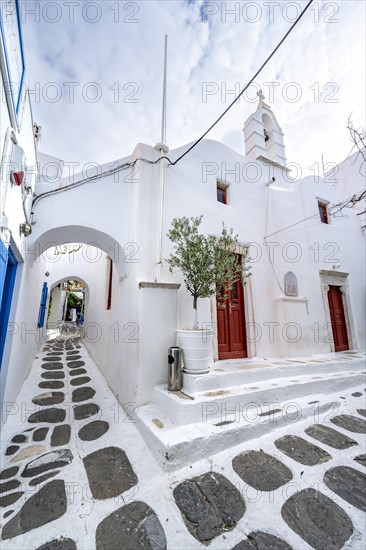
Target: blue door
(8, 268)
(42, 307)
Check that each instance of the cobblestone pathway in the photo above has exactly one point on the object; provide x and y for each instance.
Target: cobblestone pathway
(76, 474)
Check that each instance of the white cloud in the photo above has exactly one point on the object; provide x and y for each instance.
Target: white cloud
(125, 59)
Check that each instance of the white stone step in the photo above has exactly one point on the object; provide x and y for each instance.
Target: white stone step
(181, 429)
(225, 374)
(184, 409)
(177, 446)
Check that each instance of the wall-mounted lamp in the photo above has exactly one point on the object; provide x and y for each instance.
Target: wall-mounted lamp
(337, 265)
(25, 229)
(47, 274)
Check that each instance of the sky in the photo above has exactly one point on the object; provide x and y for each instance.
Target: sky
(95, 74)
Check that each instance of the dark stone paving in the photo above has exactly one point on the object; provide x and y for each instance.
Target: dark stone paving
(93, 430)
(53, 375)
(109, 473)
(258, 540)
(301, 450)
(75, 357)
(52, 416)
(41, 479)
(7, 500)
(77, 372)
(19, 438)
(48, 461)
(40, 434)
(261, 471)
(82, 394)
(134, 526)
(52, 366)
(317, 520)
(52, 385)
(361, 459)
(85, 411)
(49, 398)
(80, 381)
(9, 472)
(8, 513)
(350, 423)
(61, 544)
(9, 485)
(75, 364)
(357, 394)
(330, 437)
(209, 504)
(11, 450)
(61, 435)
(51, 359)
(268, 413)
(42, 508)
(362, 412)
(349, 484)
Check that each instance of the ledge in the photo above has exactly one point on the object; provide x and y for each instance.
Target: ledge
(169, 286)
(333, 273)
(293, 298)
(274, 163)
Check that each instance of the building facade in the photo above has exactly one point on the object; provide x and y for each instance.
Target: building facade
(305, 296)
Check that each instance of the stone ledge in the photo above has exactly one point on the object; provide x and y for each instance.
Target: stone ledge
(169, 286)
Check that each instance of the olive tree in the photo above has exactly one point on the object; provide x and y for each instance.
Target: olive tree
(207, 262)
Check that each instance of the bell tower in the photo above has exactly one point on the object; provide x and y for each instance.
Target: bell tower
(263, 135)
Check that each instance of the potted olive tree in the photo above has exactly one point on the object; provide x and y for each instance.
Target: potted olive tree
(207, 263)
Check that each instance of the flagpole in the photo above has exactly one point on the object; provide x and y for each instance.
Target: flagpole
(163, 121)
(162, 167)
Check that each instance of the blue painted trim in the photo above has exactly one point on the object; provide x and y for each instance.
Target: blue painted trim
(3, 266)
(5, 305)
(42, 307)
(16, 104)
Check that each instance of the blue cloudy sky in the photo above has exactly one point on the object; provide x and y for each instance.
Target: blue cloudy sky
(95, 73)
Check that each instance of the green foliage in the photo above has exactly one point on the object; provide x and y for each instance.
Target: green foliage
(206, 262)
(72, 300)
(49, 307)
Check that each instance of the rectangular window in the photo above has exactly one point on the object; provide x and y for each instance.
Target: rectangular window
(109, 298)
(222, 193)
(323, 212)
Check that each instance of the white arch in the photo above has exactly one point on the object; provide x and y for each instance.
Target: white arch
(79, 234)
(71, 278)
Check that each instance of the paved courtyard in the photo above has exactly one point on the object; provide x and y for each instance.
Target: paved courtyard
(76, 473)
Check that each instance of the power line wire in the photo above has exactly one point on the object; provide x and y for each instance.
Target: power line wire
(173, 163)
(247, 85)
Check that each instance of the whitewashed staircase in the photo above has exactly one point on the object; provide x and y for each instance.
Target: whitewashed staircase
(241, 400)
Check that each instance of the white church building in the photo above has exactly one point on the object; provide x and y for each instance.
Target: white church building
(305, 297)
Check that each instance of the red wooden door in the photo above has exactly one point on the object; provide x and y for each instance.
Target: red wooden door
(231, 332)
(337, 318)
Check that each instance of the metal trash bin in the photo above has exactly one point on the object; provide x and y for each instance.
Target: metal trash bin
(174, 369)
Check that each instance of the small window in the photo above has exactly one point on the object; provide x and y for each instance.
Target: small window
(323, 212)
(222, 193)
(109, 298)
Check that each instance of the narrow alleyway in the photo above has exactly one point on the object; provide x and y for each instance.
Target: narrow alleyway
(76, 473)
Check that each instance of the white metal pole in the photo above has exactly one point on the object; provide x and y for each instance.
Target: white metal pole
(162, 168)
(163, 119)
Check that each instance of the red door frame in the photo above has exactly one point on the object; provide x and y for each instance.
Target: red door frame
(231, 329)
(338, 318)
